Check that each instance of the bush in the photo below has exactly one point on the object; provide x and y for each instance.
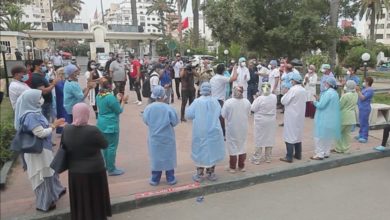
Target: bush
(354, 57)
(317, 60)
(7, 133)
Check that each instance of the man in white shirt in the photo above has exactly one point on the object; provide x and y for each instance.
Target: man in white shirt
(273, 77)
(155, 78)
(18, 85)
(177, 66)
(243, 76)
(57, 60)
(218, 87)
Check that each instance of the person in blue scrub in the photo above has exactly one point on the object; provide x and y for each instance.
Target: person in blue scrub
(207, 138)
(364, 105)
(161, 120)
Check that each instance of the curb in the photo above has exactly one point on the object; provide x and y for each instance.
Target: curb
(128, 203)
(5, 170)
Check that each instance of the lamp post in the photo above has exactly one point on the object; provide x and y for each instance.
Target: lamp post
(188, 52)
(28, 48)
(3, 50)
(365, 57)
(226, 52)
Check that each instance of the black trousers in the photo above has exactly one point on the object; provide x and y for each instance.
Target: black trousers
(386, 131)
(137, 88)
(187, 95)
(177, 85)
(131, 83)
(221, 119)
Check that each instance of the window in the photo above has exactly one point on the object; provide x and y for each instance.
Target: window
(379, 36)
(7, 44)
(158, 19)
(380, 26)
(148, 25)
(142, 18)
(141, 12)
(148, 19)
(127, 18)
(27, 16)
(158, 30)
(42, 10)
(154, 30)
(388, 36)
(388, 17)
(388, 25)
(153, 19)
(148, 30)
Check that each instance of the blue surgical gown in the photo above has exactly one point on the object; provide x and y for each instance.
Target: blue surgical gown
(207, 137)
(327, 119)
(160, 119)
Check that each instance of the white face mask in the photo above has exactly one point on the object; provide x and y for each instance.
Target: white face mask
(243, 64)
(93, 67)
(41, 101)
(269, 66)
(348, 73)
(364, 84)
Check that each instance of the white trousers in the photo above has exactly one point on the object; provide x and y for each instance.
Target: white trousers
(322, 147)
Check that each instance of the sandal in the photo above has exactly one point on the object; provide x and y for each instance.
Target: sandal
(316, 158)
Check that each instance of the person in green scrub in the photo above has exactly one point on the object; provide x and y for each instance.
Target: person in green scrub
(110, 107)
(348, 105)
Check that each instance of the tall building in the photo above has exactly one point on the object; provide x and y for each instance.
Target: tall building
(382, 29)
(37, 13)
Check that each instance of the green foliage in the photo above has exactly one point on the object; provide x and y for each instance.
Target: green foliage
(316, 59)
(7, 130)
(67, 10)
(343, 47)
(379, 47)
(12, 20)
(354, 57)
(161, 7)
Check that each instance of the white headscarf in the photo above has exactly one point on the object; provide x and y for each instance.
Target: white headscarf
(26, 103)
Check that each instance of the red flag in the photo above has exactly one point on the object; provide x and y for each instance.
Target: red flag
(184, 24)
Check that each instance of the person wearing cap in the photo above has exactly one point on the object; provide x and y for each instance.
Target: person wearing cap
(161, 120)
(327, 72)
(236, 112)
(243, 76)
(364, 105)
(274, 77)
(187, 87)
(264, 108)
(38, 81)
(218, 87)
(110, 107)
(327, 126)
(310, 84)
(207, 138)
(17, 85)
(294, 102)
(73, 93)
(348, 106)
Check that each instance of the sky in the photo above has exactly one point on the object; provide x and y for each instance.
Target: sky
(88, 9)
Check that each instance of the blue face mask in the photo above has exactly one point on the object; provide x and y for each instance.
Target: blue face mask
(43, 69)
(25, 77)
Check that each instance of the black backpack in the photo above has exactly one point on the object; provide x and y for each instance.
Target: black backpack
(146, 86)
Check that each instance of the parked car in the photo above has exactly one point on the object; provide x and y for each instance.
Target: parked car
(202, 57)
(66, 55)
(102, 58)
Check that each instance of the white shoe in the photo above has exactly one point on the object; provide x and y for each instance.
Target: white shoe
(135, 102)
(139, 103)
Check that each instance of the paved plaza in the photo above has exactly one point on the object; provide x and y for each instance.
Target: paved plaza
(18, 198)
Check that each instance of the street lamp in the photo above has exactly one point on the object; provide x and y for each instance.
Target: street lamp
(365, 57)
(28, 48)
(3, 51)
(226, 52)
(188, 52)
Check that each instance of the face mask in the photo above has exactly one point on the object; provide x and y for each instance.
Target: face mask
(309, 70)
(322, 70)
(364, 84)
(348, 73)
(269, 66)
(243, 64)
(43, 69)
(25, 77)
(50, 65)
(93, 67)
(41, 101)
(326, 86)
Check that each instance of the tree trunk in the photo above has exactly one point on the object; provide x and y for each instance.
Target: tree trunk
(195, 11)
(134, 19)
(372, 25)
(334, 17)
(179, 26)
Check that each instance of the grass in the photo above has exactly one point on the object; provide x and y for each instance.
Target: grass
(383, 98)
(383, 75)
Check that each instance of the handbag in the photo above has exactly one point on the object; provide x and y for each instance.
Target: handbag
(60, 161)
(26, 141)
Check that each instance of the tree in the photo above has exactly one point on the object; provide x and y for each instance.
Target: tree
(12, 21)
(373, 9)
(334, 18)
(195, 12)
(134, 12)
(161, 7)
(67, 10)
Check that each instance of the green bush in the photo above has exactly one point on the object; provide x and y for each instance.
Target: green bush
(7, 133)
(354, 57)
(317, 60)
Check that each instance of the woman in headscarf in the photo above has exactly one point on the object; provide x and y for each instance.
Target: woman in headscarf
(236, 113)
(44, 181)
(348, 105)
(161, 119)
(264, 108)
(110, 107)
(327, 124)
(59, 90)
(207, 138)
(88, 187)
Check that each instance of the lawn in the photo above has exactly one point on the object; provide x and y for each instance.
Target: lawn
(383, 98)
(383, 75)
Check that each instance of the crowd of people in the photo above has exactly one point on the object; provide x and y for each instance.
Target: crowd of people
(47, 96)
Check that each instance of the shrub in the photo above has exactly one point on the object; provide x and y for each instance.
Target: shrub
(7, 133)
(317, 60)
(354, 57)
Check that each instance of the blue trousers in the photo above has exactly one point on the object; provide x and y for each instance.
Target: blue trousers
(297, 147)
(364, 114)
(156, 175)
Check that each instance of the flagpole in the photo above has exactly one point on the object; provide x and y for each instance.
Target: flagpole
(180, 18)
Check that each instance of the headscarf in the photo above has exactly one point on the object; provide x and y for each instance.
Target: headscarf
(237, 92)
(296, 77)
(205, 89)
(26, 103)
(266, 89)
(158, 92)
(350, 86)
(331, 81)
(69, 70)
(80, 114)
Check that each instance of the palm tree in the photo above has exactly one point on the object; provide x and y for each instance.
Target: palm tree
(67, 10)
(161, 7)
(195, 12)
(373, 9)
(12, 21)
(134, 12)
(334, 17)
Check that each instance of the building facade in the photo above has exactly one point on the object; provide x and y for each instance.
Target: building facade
(382, 29)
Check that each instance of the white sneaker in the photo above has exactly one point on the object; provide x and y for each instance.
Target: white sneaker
(139, 103)
(135, 102)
